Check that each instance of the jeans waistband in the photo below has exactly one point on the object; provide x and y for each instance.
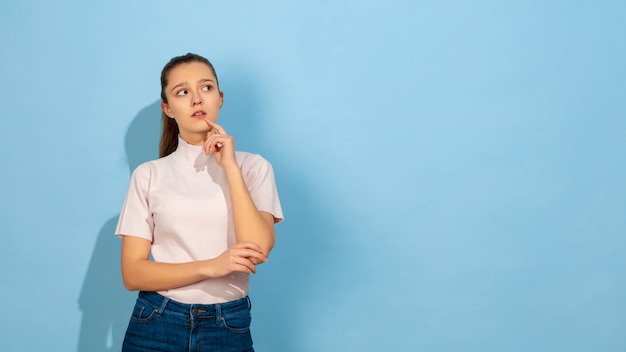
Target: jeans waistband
(161, 303)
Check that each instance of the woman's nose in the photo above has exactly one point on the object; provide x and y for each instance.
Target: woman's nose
(197, 99)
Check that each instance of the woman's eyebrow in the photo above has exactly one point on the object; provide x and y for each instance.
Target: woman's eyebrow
(181, 84)
(178, 85)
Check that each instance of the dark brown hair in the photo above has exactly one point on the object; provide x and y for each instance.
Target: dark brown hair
(169, 132)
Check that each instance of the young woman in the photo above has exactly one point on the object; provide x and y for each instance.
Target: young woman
(205, 213)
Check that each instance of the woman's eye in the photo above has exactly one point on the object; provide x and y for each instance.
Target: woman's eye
(206, 88)
(182, 92)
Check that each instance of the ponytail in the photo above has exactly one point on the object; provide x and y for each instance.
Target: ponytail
(169, 136)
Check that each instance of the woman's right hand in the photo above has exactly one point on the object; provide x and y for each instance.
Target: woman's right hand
(241, 257)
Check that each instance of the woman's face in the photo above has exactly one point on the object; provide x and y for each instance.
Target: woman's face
(192, 97)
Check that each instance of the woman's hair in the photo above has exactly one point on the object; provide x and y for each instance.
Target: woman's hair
(169, 132)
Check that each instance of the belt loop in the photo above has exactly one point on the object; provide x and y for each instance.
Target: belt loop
(163, 304)
(218, 313)
(249, 303)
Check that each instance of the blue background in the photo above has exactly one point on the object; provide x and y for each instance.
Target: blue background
(452, 172)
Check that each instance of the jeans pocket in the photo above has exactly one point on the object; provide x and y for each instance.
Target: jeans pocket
(142, 312)
(238, 321)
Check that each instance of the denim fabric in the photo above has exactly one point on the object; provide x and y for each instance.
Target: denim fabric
(160, 324)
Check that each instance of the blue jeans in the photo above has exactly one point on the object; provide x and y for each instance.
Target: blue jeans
(161, 324)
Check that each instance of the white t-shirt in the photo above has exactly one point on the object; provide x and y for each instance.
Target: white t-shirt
(182, 205)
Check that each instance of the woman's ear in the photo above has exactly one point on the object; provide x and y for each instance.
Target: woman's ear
(221, 99)
(166, 110)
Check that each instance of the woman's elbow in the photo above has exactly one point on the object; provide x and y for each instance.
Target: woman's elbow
(269, 244)
(129, 280)
(130, 286)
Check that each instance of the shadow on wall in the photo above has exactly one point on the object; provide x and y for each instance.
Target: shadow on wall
(105, 303)
(281, 285)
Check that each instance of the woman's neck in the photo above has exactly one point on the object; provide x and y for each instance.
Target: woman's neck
(194, 138)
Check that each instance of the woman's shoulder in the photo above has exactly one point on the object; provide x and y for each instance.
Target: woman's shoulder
(147, 167)
(250, 160)
(254, 166)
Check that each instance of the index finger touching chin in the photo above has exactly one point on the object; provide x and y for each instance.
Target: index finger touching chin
(218, 129)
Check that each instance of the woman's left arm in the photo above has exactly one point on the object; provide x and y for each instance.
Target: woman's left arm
(251, 225)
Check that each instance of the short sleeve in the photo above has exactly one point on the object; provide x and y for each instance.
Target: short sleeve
(136, 218)
(259, 177)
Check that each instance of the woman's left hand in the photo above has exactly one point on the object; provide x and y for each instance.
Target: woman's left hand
(220, 144)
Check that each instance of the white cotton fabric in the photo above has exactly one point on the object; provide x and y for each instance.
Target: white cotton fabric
(181, 204)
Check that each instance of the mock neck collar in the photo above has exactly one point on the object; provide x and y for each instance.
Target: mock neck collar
(191, 155)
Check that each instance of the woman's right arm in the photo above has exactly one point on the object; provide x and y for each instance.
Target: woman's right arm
(140, 273)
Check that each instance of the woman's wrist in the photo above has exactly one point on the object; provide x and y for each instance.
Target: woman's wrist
(207, 269)
(232, 170)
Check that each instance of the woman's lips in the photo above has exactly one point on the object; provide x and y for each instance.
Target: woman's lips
(199, 114)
